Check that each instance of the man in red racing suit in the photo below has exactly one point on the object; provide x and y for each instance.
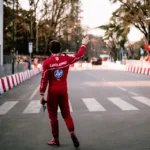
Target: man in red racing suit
(55, 71)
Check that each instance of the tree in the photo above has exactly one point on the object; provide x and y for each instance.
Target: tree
(115, 35)
(56, 16)
(7, 29)
(21, 28)
(135, 12)
(134, 49)
(22, 31)
(60, 15)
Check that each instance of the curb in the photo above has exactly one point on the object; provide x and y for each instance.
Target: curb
(8, 82)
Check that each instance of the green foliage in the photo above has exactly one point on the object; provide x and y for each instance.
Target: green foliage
(115, 35)
(56, 17)
(134, 13)
(130, 13)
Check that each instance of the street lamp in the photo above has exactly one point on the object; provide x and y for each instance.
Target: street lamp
(13, 17)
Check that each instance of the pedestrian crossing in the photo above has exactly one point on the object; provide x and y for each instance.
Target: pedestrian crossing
(143, 100)
(71, 110)
(123, 105)
(7, 106)
(89, 104)
(33, 107)
(93, 105)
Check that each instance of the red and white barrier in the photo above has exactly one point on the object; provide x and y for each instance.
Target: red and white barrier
(20, 77)
(1, 87)
(11, 81)
(25, 75)
(17, 78)
(28, 72)
(138, 70)
(4, 84)
(14, 80)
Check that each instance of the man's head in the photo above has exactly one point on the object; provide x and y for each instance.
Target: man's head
(55, 46)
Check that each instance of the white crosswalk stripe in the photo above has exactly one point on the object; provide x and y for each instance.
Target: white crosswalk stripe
(33, 107)
(143, 100)
(4, 108)
(71, 110)
(93, 105)
(122, 104)
(58, 109)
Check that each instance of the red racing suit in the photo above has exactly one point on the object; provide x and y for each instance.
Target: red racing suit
(55, 72)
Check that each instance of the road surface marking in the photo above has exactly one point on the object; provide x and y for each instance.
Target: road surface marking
(143, 100)
(122, 104)
(33, 107)
(93, 105)
(123, 89)
(71, 110)
(135, 94)
(58, 109)
(7, 106)
(33, 94)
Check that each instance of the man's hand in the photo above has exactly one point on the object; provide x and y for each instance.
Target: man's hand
(41, 99)
(85, 40)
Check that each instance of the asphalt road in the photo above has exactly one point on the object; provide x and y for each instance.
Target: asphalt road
(111, 111)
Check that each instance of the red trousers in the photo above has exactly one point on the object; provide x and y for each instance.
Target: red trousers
(58, 96)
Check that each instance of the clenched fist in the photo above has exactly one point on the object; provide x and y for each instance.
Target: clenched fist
(41, 99)
(85, 40)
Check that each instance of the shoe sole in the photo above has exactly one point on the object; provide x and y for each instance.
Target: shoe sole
(75, 140)
(56, 144)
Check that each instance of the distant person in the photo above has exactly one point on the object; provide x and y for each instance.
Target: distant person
(55, 71)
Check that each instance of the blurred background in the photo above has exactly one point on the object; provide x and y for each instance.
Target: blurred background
(119, 29)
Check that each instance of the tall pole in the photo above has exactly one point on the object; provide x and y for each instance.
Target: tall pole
(31, 39)
(37, 39)
(1, 31)
(13, 19)
(67, 41)
(149, 24)
(149, 32)
(31, 31)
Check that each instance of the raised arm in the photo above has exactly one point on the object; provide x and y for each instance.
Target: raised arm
(80, 53)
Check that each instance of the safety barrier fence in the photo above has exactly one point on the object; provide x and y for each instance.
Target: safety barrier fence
(8, 82)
